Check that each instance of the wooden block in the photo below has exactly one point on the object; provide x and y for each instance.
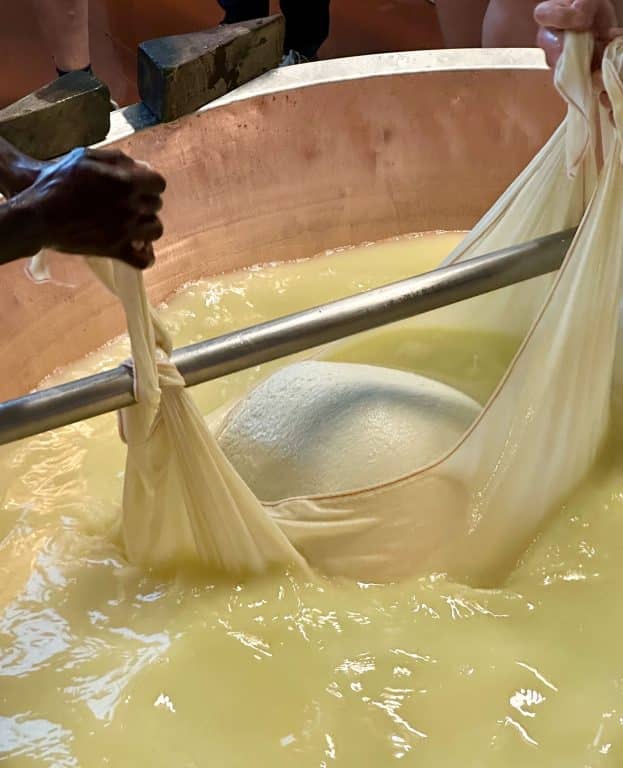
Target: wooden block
(72, 111)
(179, 74)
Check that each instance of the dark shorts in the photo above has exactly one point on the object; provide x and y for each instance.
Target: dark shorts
(307, 21)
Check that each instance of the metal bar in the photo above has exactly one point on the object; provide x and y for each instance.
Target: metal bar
(207, 360)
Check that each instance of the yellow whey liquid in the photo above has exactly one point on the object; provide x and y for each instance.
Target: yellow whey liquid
(104, 665)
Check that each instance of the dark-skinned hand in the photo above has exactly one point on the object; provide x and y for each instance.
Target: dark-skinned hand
(92, 202)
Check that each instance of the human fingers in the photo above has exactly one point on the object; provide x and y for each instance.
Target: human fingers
(136, 253)
(146, 228)
(574, 15)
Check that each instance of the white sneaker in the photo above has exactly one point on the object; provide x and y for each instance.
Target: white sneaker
(293, 57)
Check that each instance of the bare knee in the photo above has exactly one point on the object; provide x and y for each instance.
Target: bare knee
(510, 23)
(461, 22)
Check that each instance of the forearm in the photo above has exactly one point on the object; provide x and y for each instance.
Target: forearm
(19, 231)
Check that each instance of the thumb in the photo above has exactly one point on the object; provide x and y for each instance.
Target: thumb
(552, 42)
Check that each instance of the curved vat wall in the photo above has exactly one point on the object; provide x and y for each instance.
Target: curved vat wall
(303, 159)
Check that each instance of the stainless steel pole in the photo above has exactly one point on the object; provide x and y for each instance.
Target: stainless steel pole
(206, 360)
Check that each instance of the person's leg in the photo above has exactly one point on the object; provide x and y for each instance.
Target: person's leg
(461, 22)
(510, 23)
(244, 10)
(307, 25)
(65, 25)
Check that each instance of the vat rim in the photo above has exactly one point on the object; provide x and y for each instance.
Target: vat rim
(136, 117)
